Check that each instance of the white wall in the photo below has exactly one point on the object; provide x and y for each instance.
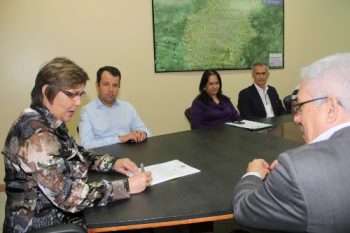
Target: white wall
(94, 33)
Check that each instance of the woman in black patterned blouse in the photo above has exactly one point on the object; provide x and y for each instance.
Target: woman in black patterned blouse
(46, 171)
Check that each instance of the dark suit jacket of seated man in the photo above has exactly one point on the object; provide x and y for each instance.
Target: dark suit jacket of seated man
(251, 104)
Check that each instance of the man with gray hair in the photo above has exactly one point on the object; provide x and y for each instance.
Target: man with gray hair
(307, 188)
(259, 100)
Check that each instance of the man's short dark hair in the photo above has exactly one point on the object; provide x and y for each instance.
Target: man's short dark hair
(112, 70)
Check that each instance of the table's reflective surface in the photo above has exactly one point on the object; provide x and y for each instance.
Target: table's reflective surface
(287, 130)
(285, 127)
(221, 153)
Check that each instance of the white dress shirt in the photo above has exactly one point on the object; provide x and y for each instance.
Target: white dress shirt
(266, 100)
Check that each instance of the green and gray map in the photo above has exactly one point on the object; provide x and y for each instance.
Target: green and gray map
(218, 34)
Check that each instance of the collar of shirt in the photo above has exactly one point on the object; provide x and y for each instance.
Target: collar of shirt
(328, 133)
(262, 93)
(99, 104)
(260, 90)
(53, 121)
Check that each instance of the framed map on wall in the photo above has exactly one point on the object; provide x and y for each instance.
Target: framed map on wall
(194, 35)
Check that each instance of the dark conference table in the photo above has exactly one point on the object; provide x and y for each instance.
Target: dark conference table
(221, 153)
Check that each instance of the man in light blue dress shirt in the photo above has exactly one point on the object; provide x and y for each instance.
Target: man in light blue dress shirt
(106, 120)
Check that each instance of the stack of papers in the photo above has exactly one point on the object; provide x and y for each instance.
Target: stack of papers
(252, 125)
(169, 170)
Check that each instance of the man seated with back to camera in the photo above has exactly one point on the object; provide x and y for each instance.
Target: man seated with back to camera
(307, 188)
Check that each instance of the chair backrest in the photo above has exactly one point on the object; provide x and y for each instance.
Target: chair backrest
(187, 114)
(287, 102)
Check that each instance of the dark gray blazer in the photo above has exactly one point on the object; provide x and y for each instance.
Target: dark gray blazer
(308, 191)
(250, 105)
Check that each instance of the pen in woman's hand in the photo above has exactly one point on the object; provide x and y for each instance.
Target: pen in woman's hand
(142, 167)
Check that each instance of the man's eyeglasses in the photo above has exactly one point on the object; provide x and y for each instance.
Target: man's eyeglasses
(297, 107)
(72, 95)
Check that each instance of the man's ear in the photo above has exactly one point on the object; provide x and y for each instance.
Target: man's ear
(252, 73)
(333, 109)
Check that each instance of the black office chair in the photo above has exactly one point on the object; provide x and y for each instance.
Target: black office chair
(287, 102)
(61, 228)
(187, 114)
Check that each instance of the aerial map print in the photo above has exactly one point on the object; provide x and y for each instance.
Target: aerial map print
(217, 34)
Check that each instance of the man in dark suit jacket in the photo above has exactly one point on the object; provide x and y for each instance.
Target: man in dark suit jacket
(307, 188)
(259, 100)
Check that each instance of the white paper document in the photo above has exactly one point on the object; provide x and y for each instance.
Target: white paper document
(169, 170)
(252, 125)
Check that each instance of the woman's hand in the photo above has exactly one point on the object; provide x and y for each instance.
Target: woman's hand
(126, 167)
(139, 182)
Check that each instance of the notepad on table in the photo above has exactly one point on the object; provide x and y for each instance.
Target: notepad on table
(169, 170)
(252, 125)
